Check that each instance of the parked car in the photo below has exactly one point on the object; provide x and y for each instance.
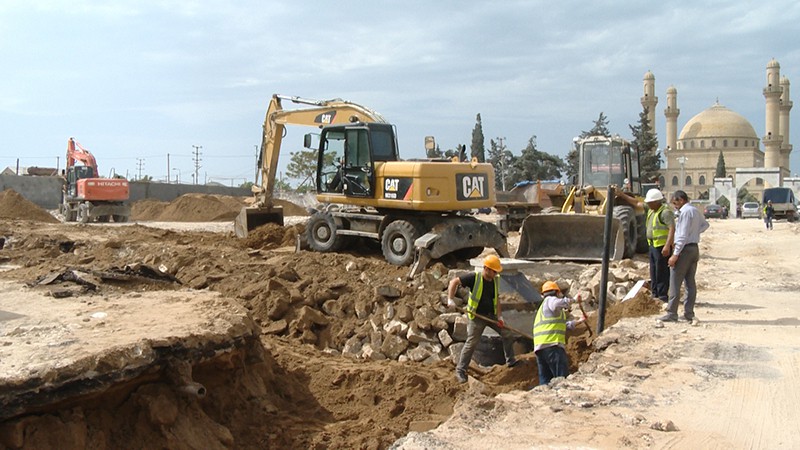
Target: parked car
(713, 212)
(751, 209)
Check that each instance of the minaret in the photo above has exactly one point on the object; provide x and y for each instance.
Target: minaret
(786, 106)
(772, 139)
(649, 100)
(671, 113)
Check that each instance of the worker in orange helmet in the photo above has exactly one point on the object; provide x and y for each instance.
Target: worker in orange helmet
(550, 333)
(484, 287)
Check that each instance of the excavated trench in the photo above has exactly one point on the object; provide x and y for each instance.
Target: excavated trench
(267, 363)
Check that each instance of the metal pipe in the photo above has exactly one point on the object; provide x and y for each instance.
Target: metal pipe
(193, 389)
(601, 310)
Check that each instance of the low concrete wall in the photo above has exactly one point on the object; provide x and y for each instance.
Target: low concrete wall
(46, 191)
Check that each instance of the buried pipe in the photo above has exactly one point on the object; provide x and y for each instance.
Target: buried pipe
(180, 374)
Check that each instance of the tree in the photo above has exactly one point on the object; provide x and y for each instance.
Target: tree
(477, 149)
(721, 172)
(600, 128)
(646, 143)
(503, 161)
(303, 166)
(533, 164)
(246, 185)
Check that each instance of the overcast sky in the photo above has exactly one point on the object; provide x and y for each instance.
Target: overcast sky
(134, 81)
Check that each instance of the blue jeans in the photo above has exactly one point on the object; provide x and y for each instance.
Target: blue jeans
(552, 362)
(659, 274)
(768, 222)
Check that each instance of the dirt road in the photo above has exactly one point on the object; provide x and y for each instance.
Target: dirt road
(731, 382)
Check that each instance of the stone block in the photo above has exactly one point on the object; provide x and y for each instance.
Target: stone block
(460, 329)
(393, 346)
(444, 338)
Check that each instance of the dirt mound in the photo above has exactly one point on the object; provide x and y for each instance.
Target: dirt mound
(200, 208)
(15, 206)
(272, 236)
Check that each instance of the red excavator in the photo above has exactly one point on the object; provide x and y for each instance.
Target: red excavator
(86, 196)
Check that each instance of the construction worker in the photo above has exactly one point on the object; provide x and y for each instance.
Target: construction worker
(769, 213)
(660, 235)
(550, 333)
(484, 287)
(689, 224)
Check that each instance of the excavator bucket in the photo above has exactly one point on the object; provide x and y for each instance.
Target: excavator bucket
(466, 237)
(253, 217)
(567, 237)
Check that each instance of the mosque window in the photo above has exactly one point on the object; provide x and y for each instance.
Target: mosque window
(702, 144)
(692, 144)
(688, 181)
(724, 142)
(735, 142)
(759, 182)
(674, 181)
(702, 180)
(661, 181)
(713, 142)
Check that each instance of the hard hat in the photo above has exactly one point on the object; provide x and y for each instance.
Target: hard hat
(550, 286)
(653, 195)
(493, 262)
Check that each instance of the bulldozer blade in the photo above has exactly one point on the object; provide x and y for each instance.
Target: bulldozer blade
(252, 218)
(455, 234)
(567, 237)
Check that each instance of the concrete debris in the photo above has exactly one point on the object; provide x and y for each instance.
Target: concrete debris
(664, 425)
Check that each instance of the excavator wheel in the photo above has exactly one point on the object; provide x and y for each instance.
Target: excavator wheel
(83, 213)
(627, 222)
(103, 219)
(321, 233)
(119, 218)
(641, 244)
(397, 242)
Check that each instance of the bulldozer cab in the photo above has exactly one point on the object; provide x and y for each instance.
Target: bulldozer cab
(607, 161)
(347, 154)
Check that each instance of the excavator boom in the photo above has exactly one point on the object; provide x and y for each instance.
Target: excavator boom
(318, 114)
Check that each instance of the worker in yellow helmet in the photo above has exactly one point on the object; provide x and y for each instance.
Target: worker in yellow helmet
(550, 333)
(484, 287)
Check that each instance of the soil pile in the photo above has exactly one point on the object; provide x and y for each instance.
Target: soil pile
(15, 206)
(200, 208)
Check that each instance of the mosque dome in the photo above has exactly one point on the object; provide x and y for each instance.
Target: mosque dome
(672, 90)
(773, 64)
(718, 121)
(649, 76)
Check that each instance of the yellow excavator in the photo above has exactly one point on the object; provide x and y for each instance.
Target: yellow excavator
(576, 231)
(415, 209)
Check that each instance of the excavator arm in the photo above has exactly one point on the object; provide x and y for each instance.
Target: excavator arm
(318, 113)
(76, 152)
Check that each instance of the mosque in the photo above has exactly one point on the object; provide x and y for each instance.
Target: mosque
(691, 157)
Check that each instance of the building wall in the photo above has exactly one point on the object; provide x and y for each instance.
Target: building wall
(46, 191)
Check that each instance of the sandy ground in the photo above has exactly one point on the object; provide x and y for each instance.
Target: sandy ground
(730, 382)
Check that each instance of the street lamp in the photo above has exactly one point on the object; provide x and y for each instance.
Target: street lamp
(177, 177)
(682, 161)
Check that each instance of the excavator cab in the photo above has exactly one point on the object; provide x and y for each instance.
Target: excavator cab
(347, 155)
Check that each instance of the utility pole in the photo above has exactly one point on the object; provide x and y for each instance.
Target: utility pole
(682, 161)
(196, 162)
(168, 168)
(255, 177)
(139, 166)
(502, 162)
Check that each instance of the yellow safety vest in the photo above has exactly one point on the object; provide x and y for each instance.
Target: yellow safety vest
(477, 290)
(657, 231)
(550, 330)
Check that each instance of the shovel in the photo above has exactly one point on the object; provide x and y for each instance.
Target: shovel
(580, 304)
(510, 328)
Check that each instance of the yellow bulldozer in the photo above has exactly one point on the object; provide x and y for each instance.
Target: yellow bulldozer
(576, 232)
(415, 209)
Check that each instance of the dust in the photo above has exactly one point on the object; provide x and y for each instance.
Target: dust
(200, 208)
(15, 206)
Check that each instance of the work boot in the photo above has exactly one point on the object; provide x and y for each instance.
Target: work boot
(461, 376)
(669, 317)
(513, 362)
